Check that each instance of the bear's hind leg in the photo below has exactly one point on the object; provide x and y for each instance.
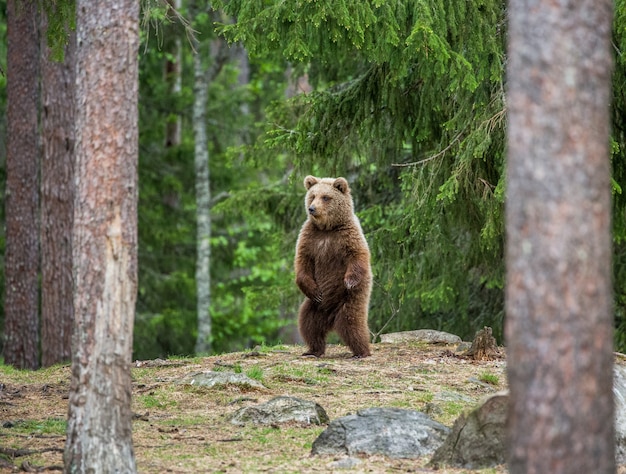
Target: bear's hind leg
(314, 327)
(351, 325)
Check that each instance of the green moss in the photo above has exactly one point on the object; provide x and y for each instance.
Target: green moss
(491, 379)
(49, 426)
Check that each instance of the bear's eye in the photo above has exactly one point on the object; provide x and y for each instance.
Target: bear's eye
(326, 198)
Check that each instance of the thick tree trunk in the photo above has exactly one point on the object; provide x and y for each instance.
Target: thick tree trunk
(21, 305)
(105, 237)
(559, 293)
(57, 203)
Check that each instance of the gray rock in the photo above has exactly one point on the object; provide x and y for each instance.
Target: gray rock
(393, 432)
(211, 379)
(424, 335)
(478, 439)
(619, 392)
(450, 396)
(344, 463)
(281, 410)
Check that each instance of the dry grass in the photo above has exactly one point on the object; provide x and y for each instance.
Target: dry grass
(182, 429)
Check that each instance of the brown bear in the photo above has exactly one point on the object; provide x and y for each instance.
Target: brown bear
(332, 267)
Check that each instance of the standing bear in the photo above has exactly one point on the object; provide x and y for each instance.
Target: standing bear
(332, 267)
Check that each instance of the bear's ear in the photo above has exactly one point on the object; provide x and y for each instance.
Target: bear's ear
(310, 181)
(342, 185)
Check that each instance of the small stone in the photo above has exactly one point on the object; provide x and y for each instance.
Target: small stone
(344, 463)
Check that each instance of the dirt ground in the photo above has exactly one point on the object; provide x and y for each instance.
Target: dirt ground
(179, 428)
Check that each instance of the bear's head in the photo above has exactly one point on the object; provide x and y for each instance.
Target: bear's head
(328, 202)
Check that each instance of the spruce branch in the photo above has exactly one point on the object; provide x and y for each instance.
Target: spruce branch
(432, 157)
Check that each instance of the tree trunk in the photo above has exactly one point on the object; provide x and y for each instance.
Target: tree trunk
(57, 203)
(105, 237)
(173, 76)
(204, 74)
(203, 202)
(21, 317)
(559, 293)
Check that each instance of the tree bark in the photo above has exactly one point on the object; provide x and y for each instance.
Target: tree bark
(204, 74)
(203, 202)
(57, 203)
(21, 305)
(558, 213)
(105, 237)
(173, 76)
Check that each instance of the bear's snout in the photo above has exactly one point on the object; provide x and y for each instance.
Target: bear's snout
(312, 210)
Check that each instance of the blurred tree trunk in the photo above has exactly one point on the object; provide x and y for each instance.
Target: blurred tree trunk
(173, 76)
(57, 202)
(559, 293)
(217, 51)
(99, 432)
(21, 305)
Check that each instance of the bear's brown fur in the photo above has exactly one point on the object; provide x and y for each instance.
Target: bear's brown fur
(332, 268)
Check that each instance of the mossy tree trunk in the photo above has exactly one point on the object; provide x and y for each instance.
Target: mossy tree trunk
(558, 214)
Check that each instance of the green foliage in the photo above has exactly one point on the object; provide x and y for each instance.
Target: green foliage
(246, 275)
(409, 105)
(618, 148)
(407, 102)
(61, 15)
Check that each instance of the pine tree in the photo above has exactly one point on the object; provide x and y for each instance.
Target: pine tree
(409, 102)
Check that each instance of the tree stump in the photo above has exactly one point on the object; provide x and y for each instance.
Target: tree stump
(484, 346)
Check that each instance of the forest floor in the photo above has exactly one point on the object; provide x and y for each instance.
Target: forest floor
(181, 428)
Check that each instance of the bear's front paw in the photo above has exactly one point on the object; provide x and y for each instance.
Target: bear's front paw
(317, 297)
(351, 282)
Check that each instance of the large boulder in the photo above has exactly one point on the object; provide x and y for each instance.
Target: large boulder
(394, 432)
(281, 410)
(477, 439)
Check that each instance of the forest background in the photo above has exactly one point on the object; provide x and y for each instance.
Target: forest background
(405, 99)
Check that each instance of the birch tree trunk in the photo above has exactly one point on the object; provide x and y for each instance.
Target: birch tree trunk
(99, 433)
(218, 53)
(203, 202)
(57, 202)
(558, 213)
(21, 297)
